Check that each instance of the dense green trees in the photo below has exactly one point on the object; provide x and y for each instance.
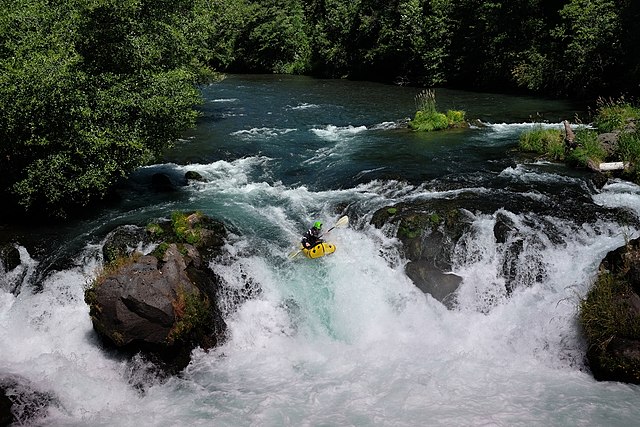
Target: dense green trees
(92, 89)
(582, 54)
(581, 48)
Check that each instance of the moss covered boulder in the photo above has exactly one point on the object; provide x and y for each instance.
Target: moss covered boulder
(164, 302)
(428, 233)
(610, 317)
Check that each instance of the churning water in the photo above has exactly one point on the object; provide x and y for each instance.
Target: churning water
(346, 340)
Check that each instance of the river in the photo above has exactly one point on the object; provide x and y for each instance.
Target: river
(347, 340)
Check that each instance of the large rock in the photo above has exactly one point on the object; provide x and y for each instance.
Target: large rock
(610, 317)
(430, 280)
(428, 235)
(163, 303)
(435, 233)
(136, 301)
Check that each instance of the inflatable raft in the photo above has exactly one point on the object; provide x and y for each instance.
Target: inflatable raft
(319, 250)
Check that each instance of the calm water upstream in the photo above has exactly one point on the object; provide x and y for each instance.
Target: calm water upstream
(347, 340)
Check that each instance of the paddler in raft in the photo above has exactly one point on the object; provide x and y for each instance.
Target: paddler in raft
(312, 236)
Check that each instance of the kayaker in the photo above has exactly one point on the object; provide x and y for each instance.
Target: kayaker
(312, 236)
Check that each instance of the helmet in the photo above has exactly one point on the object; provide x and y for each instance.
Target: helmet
(317, 225)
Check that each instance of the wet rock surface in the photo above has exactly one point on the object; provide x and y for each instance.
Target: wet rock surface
(163, 303)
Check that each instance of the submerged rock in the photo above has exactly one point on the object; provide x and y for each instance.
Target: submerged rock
(21, 403)
(163, 303)
(12, 271)
(193, 176)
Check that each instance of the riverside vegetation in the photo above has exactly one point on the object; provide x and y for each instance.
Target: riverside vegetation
(610, 313)
(614, 137)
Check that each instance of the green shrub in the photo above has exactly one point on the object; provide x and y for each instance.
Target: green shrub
(589, 148)
(543, 141)
(629, 147)
(455, 117)
(90, 91)
(429, 121)
(614, 114)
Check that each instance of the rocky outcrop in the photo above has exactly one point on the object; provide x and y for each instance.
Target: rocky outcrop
(428, 235)
(610, 317)
(9, 257)
(163, 303)
(437, 232)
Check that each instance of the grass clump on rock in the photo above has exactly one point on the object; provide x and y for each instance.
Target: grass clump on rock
(615, 138)
(589, 149)
(614, 114)
(543, 141)
(428, 118)
(191, 310)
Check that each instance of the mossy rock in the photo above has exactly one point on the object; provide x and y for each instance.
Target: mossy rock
(610, 319)
(122, 242)
(413, 226)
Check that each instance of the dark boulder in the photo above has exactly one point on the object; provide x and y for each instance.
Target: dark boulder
(21, 403)
(123, 241)
(163, 303)
(12, 272)
(162, 183)
(610, 317)
(9, 257)
(428, 234)
(193, 176)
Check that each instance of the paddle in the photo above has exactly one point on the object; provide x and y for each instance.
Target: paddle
(339, 223)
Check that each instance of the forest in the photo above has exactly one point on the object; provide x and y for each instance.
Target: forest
(90, 90)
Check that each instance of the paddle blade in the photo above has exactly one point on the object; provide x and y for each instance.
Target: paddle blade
(342, 221)
(292, 255)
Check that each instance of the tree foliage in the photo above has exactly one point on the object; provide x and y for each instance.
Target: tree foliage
(581, 48)
(88, 92)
